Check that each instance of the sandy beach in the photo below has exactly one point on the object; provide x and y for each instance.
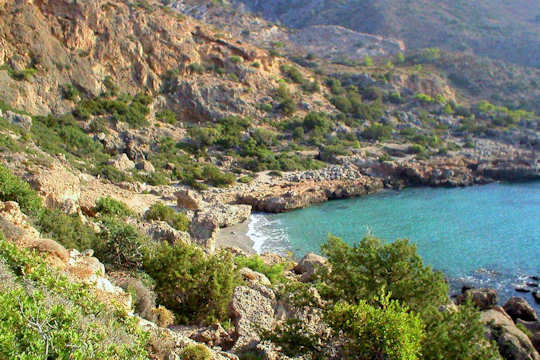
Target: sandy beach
(235, 236)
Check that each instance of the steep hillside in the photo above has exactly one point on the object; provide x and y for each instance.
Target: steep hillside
(507, 30)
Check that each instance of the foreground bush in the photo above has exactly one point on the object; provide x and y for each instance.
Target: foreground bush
(385, 330)
(362, 271)
(45, 316)
(196, 286)
(159, 211)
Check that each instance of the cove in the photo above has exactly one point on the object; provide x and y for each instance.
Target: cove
(482, 236)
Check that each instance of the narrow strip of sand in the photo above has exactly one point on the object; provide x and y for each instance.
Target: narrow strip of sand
(235, 236)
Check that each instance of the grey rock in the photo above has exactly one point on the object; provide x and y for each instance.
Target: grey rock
(23, 121)
(519, 308)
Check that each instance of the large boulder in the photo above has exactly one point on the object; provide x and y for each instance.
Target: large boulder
(512, 342)
(308, 266)
(121, 162)
(484, 299)
(162, 231)
(189, 199)
(519, 308)
(252, 310)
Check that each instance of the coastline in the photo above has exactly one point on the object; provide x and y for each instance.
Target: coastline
(236, 236)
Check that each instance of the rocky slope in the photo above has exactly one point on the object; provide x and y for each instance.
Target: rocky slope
(505, 30)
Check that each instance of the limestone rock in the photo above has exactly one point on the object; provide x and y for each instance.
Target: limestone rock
(214, 335)
(308, 265)
(254, 276)
(23, 121)
(519, 308)
(189, 199)
(121, 162)
(58, 186)
(512, 342)
(484, 299)
(252, 311)
(146, 166)
(162, 231)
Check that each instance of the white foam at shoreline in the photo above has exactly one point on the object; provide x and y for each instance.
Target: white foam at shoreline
(266, 234)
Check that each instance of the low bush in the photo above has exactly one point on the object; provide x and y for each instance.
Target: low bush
(196, 352)
(121, 246)
(274, 273)
(217, 177)
(167, 116)
(159, 211)
(196, 286)
(13, 188)
(377, 132)
(68, 230)
(111, 207)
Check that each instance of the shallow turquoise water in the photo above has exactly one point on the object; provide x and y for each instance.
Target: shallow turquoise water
(484, 235)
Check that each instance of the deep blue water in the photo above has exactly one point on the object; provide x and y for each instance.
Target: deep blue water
(482, 236)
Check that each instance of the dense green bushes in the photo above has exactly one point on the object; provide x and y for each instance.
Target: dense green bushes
(44, 315)
(363, 270)
(412, 321)
(196, 286)
(385, 330)
(159, 211)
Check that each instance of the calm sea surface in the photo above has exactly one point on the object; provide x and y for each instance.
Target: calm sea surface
(482, 236)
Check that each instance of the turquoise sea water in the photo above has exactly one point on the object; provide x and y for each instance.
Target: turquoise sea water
(483, 235)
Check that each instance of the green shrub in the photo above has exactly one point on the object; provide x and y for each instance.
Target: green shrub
(120, 245)
(416, 149)
(110, 172)
(456, 335)
(196, 352)
(167, 116)
(45, 316)
(274, 273)
(377, 132)
(196, 286)
(362, 271)
(68, 230)
(217, 177)
(385, 330)
(159, 211)
(235, 59)
(111, 207)
(342, 103)
(196, 68)
(70, 92)
(245, 179)
(296, 338)
(14, 189)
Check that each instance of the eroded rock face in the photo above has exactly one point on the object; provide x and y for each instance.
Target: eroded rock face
(513, 343)
(519, 308)
(484, 299)
(252, 310)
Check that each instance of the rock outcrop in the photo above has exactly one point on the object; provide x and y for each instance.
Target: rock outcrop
(484, 299)
(512, 342)
(519, 308)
